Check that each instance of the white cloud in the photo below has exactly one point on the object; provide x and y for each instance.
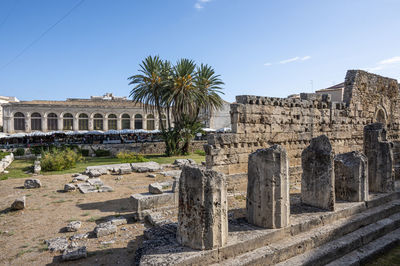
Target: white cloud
(289, 60)
(268, 64)
(304, 58)
(395, 59)
(200, 4)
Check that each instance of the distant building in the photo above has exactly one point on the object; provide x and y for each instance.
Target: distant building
(107, 112)
(335, 91)
(4, 100)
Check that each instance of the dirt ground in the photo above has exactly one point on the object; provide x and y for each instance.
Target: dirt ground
(49, 210)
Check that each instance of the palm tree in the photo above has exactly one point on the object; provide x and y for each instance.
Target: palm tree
(182, 91)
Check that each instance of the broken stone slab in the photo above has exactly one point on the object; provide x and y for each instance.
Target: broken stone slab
(155, 188)
(79, 236)
(152, 175)
(104, 229)
(182, 162)
(32, 183)
(105, 188)
(73, 226)
(379, 152)
(95, 182)
(203, 208)
(107, 242)
(119, 178)
(118, 220)
(69, 187)
(74, 253)
(88, 188)
(318, 180)
(146, 201)
(83, 178)
(57, 244)
(267, 201)
(351, 176)
(146, 167)
(172, 173)
(19, 204)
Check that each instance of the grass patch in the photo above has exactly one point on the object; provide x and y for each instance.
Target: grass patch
(18, 168)
(59, 201)
(390, 257)
(86, 214)
(22, 252)
(92, 219)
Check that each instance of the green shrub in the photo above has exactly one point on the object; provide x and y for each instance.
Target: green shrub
(19, 152)
(3, 154)
(200, 152)
(131, 157)
(57, 160)
(102, 153)
(84, 152)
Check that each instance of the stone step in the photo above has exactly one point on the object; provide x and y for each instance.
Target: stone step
(281, 250)
(336, 248)
(371, 250)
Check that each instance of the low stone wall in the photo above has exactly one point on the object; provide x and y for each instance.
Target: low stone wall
(143, 148)
(5, 162)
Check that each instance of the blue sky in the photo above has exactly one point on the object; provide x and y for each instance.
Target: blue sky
(259, 47)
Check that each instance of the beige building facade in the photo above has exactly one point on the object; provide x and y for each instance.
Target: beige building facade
(97, 113)
(5, 100)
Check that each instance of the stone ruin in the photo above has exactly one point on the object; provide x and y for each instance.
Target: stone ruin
(268, 203)
(318, 180)
(260, 122)
(380, 158)
(203, 209)
(334, 153)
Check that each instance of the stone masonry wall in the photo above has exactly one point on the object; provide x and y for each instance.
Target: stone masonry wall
(259, 122)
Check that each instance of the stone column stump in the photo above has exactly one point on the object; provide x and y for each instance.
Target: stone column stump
(268, 202)
(317, 180)
(380, 158)
(203, 208)
(351, 176)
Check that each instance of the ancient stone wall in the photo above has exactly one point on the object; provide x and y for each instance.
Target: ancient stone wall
(259, 122)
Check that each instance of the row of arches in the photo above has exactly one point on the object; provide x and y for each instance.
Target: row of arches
(83, 121)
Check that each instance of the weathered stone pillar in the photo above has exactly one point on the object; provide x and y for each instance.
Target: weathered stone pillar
(28, 123)
(351, 176)
(380, 158)
(317, 180)
(119, 123)
(203, 208)
(268, 202)
(44, 123)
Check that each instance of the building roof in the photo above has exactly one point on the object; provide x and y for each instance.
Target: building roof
(333, 88)
(81, 102)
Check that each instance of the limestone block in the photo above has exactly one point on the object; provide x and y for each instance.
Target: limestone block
(351, 176)
(19, 204)
(380, 158)
(203, 208)
(268, 202)
(32, 183)
(318, 181)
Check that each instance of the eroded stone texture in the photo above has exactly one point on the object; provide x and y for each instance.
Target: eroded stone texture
(351, 176)
(268, 203)
(318, 181)
(203, 208)
(32, 183)
(19, 204)
(380, 158)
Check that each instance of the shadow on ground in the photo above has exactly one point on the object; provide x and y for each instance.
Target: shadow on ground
(116, 205)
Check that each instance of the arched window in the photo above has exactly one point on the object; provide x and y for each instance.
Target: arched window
(380, 117)
(19, 121)
(126, 121)
(138, 121)
(52, 123)
(112, 122)
(150, 122)
(83, 122)
(36, 121)
(164, 121)
(98, 122)
(68, 121)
